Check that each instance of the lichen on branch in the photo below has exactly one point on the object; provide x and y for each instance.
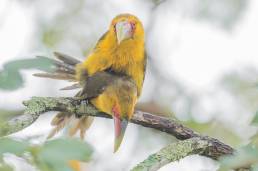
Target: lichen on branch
(173, 152)
(192, 142)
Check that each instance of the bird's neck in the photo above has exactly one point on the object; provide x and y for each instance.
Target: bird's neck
(128, 50)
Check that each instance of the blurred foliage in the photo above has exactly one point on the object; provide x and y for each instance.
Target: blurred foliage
(158, 2)
(10, 76)
(221, 12)
(242, 84)
(217, 130)
(255, 119)
(7, 114)
(51, 37)
(245, 157)
(5, 167)
(254, 138)
(12, 146)
(54, 155)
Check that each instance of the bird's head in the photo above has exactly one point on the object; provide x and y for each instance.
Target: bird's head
(127, 27)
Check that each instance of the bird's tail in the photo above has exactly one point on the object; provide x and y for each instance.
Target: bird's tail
(75, 124)
(64, 68)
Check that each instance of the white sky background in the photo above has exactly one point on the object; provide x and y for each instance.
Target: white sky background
(202, 55)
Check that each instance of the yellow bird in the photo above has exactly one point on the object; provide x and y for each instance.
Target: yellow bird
(120, 50)
(111, 77)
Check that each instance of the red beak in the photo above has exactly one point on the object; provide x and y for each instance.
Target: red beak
(120, 127)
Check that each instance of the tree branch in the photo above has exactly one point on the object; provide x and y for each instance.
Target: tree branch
(212, 148)
(173, 152)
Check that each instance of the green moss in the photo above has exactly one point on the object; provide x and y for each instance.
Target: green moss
(37, 105)
(172, 152)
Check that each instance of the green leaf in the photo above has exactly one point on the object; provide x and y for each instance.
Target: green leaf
(56, 154)
(10, 76)
(215, 129)
(255, 119)
(8, 145)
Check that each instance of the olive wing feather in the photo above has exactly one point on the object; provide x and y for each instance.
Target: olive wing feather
(96, 84)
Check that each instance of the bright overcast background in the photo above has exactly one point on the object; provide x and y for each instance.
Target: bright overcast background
(202, 68)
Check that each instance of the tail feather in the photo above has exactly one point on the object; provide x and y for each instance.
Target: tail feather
(85, 123)
(59, 121)
(56, 76)
(60, 117)
(61, 66)
(64, 67)
(66, 58)
(71, 87)
(76, 124)
(80, 125)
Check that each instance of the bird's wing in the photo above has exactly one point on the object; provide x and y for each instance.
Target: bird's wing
(96, 84)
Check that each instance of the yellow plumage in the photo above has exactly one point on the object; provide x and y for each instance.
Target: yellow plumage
(127, 58)
(111, 77)
(120, 51)
(121, 94)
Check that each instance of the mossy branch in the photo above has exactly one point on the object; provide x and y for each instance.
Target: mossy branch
(193, 143)
(173, 152)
